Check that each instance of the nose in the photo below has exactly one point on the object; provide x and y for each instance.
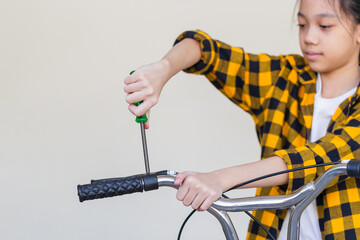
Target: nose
(311, 36)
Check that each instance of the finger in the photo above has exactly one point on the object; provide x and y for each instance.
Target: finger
(133, 87)
(182, 192)
(147, 125)
(207, 203)
(198, 201)
(141, 109)
(131, 79)
(180, 177)
(135, 97)
(190, 196)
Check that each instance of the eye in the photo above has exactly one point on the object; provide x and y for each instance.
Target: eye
(301, 25)
(325, 26)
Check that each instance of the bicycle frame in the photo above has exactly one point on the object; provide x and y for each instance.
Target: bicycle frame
(296, 201)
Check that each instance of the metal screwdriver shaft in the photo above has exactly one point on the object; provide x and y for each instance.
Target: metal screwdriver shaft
(142, 119)
(146, 156)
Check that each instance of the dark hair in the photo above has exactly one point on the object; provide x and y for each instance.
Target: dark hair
(350, 8)
(347, 7)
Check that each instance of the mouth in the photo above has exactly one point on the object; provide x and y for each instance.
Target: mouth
(311, 56)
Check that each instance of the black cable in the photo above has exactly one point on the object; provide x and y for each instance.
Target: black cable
(254, 180)
(255, 220)
(185, 221)
(282, 172)
(248, 213)
(260, 224)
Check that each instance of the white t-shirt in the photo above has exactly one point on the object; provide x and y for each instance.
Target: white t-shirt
(324, 109)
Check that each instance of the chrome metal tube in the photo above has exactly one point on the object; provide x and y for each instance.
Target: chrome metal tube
(167, 181)
(296, 201)
(264, 202)
(320, 184)
(221, 216)
(226, 223)
(219, 207)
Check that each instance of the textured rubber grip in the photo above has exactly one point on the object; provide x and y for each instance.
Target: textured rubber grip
(115, 179)
(159, 173)
(110, 188)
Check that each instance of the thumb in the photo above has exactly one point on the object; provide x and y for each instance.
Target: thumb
(180, 177)
(147, 125)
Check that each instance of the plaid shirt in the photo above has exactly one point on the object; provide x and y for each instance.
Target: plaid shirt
(279, 92)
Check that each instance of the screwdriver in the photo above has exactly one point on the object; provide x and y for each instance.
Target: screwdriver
(142, 119)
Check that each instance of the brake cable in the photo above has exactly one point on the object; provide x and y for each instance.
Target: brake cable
(254, 180)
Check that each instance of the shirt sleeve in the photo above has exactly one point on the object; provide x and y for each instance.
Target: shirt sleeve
(342, 143)
(242, 77)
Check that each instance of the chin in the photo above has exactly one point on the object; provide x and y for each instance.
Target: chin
(316, 67)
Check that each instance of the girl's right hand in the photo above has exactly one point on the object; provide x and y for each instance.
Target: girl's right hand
(145, 84)
(199, 190)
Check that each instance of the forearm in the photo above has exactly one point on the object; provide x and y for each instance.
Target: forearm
(183, 55)
(232, 176)
(200, 190)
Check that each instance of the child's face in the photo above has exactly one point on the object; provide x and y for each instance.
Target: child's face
(328, 40)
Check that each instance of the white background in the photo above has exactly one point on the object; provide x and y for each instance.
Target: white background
(64, 120)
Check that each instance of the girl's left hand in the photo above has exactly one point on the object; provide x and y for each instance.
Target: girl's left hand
(199, 190)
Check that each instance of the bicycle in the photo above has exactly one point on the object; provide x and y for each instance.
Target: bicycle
(296, 201)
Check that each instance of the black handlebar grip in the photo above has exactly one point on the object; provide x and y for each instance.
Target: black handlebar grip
(353, 168)
(110, 188)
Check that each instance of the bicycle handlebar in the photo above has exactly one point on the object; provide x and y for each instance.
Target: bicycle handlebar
(111, 187)
(299, 199)
(105, 188)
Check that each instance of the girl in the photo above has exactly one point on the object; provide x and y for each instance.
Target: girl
(306, 111)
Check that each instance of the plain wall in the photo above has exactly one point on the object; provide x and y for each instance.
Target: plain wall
(64, 119)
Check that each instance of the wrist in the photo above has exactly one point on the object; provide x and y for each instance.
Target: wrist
(222, 177)
(167, 69)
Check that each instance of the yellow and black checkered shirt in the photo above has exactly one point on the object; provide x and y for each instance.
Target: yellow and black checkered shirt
(279, 92)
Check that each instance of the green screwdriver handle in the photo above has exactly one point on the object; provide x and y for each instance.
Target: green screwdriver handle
(142, 118)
